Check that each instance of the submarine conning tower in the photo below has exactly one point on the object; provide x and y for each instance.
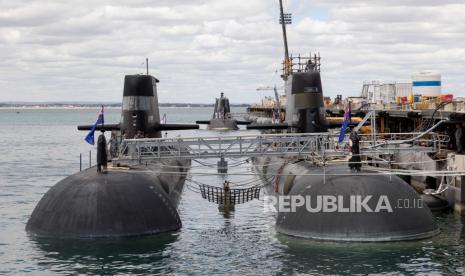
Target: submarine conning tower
(222, 108)
(305, 106)
(222, 118)
(140, 111)
(140, 106)
(305, 110)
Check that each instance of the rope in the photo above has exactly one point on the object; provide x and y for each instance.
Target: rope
(327, 162)
(214, 165)
(235, 185)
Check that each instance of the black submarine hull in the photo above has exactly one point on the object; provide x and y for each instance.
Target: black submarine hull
(407, 219)
(124, 202)
(222, 124)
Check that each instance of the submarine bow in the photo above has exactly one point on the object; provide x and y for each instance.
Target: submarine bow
(92, 205)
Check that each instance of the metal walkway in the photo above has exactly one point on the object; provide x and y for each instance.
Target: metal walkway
(291, 144)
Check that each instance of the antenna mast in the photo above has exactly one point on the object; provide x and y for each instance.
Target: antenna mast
(286, 50)
(147, 65)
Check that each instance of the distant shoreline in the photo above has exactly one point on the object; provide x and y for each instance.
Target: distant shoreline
(6, 106)
(32, 107)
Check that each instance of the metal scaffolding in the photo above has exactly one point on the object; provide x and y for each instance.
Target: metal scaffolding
(300, 145)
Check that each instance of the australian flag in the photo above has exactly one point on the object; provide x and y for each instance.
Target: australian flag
(344, 123)
(90, 136)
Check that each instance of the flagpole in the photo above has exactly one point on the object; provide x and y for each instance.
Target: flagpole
(103, 120)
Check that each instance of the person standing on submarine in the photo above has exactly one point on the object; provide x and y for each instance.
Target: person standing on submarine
(459, 138)
(102, 158)
(114, 145)
(355, 161)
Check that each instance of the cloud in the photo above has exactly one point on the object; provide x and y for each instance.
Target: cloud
(50, 51)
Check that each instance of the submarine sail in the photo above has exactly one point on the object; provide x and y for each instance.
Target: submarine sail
(222, 118)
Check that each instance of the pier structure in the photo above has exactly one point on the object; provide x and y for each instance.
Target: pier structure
(417, 117)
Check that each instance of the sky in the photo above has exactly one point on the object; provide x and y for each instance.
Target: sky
(80, 50)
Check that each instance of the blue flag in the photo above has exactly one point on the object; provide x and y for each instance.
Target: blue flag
(90, 136)
(344, 123)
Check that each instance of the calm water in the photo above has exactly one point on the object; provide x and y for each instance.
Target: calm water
(40, 147)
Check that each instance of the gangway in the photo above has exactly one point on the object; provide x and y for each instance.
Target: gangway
(301, 145)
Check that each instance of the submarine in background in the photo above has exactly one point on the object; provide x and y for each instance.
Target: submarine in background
(126, 201)
(222, 118)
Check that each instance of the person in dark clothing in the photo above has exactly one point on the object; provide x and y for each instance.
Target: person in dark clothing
(114, 145)
(355, 160)
(459, 138)
(102, 153)
(139, 135)
(450, 132)
(226, 186)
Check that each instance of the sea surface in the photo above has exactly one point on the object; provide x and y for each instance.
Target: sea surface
(40, 147)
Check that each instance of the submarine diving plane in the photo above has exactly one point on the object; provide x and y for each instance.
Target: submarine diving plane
(132, 200)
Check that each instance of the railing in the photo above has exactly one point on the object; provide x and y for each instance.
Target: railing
(455, 106)
(293, 144)
(81, 161)
(297, 64)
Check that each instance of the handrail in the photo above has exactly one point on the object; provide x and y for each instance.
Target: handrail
(293, 144)
(412, 139)
(226, 137)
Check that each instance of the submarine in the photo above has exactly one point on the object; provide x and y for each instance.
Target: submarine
(222, 119)
(380, 219)
(133, 200)
(332, 202)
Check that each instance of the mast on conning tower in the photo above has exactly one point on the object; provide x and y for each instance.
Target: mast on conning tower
(147, 65)
(284, 21)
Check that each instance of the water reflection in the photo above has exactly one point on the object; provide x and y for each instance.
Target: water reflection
(344, 258)
(144, 255)
(429, 256)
